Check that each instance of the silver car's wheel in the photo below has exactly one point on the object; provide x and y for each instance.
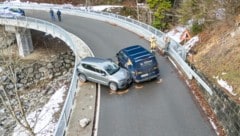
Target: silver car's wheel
(82, 78)
(113, 86)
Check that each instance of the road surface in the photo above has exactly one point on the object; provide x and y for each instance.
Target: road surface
(148, 109)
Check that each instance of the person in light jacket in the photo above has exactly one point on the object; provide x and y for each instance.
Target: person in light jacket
(153, 44)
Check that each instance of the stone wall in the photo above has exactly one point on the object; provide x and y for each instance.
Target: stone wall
(36, 81)
(226, 109)
(56, 73)
(35, 72)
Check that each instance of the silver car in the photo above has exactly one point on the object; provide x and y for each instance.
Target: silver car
(103, 71)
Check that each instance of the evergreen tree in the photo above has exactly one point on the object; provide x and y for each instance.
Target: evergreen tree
(159, 8)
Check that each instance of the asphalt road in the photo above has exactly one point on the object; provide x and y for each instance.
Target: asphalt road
(148, 109)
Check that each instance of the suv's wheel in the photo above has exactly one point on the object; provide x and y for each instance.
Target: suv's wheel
(113, 86)
(82, 78)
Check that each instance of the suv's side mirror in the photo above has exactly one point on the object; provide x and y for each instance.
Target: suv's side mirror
(103, 74)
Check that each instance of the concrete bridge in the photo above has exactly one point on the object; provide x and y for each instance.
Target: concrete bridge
(24, 39)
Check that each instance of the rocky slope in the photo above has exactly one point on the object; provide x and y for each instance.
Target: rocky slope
(44, 71)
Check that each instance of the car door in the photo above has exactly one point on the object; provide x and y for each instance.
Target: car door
(89, 71)
(122, 59)
(102, 76)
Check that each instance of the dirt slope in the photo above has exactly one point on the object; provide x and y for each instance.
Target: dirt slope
(217, 54)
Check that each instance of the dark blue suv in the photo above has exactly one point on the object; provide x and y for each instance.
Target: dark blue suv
(140, 62)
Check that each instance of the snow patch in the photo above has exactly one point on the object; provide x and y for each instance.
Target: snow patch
(176, 33)
(104, 7)
(225, 85)
(44, 122)
(191, 43)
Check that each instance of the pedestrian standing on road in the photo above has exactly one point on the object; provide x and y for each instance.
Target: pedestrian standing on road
(153, 44)
(167, 43)
(52, 14)
(59, 15)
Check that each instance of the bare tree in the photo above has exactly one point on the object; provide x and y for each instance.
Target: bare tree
(11, 66)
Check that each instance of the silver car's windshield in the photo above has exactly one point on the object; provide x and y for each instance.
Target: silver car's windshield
(111, 68)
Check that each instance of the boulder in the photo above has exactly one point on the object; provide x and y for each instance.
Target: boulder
(84, 122)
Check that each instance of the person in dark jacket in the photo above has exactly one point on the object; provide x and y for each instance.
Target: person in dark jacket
(52, 14)
(59, 15)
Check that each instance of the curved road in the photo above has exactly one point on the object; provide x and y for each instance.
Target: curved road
(149, 109)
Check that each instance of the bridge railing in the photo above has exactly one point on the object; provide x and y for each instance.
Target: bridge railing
(55, 31)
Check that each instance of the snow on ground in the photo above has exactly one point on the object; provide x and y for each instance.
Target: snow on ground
(225, 85)
(103, 7)
(176, 33)
(44, 121)
(189, 44)
(94, 8)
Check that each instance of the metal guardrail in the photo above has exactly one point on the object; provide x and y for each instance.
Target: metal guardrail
(176, 51)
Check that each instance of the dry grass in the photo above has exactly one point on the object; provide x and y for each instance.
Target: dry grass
(218, 55)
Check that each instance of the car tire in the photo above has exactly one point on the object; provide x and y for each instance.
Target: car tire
(113, 86)
(82, 78)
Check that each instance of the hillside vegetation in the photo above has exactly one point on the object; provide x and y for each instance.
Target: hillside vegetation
(217, 54)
